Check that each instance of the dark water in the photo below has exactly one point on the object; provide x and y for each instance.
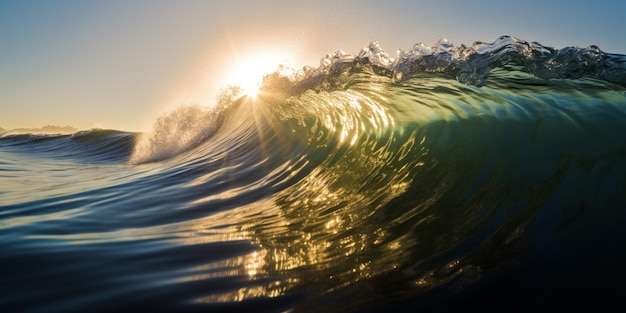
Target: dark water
(489, 178)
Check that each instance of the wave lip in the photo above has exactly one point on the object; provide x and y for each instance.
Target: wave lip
(469, 65)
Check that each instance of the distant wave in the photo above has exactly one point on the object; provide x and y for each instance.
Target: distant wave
(45, 130)
(88, 146)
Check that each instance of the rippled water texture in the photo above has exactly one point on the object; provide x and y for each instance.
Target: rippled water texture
(369, 183)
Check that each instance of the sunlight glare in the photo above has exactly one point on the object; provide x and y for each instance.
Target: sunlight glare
(249, 71)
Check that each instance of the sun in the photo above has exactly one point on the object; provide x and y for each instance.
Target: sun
(251, 86)
(249, 72)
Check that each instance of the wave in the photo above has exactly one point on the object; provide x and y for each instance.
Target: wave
(426, 172)
(437, 176)
(507, 60)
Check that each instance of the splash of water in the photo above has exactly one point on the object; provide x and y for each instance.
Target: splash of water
(182, 129)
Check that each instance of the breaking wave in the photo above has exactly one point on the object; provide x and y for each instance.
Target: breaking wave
(445, 178)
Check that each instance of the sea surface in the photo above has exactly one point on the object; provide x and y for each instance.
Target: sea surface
(485, 178)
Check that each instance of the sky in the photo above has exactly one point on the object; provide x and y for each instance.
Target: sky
(120, 64)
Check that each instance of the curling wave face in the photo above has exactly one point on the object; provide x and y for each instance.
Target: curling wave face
(445, 178)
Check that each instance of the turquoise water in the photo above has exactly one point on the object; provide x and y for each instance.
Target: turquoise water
(490, 177)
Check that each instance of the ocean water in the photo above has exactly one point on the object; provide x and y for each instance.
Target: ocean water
(448, 178)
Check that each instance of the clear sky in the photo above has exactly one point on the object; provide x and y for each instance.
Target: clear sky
(120, 64)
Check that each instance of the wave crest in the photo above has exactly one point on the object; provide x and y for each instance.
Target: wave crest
(469, 65)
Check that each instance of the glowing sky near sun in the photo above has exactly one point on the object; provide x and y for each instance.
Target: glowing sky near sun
(119, 64)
